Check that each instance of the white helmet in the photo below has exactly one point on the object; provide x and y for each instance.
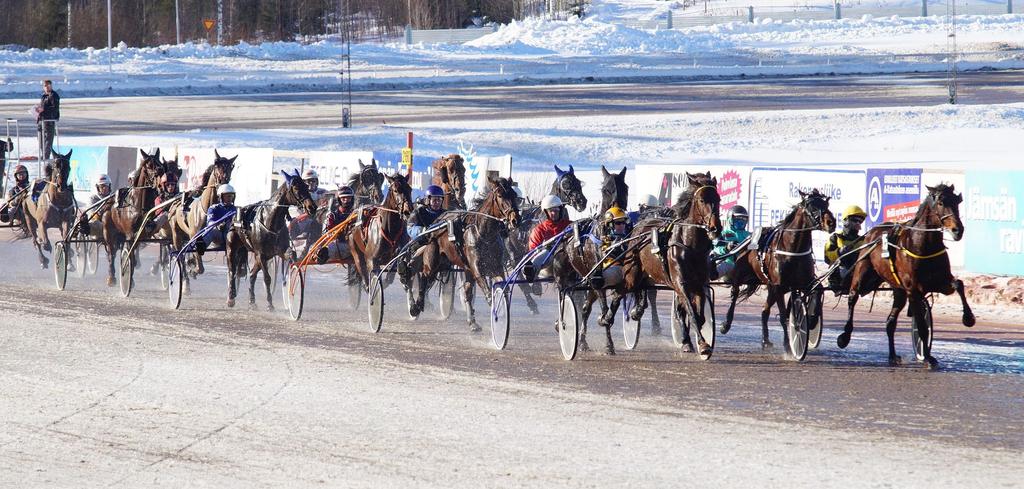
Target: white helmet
(225, 188)
(551, 202)
(648, 200)
(310, 173)
(103, 180)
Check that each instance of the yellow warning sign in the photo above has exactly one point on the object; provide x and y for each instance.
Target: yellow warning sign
(406, 159)
(209, 23)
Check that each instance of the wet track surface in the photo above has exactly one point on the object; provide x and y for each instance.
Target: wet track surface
(126, 115)
(974, 400)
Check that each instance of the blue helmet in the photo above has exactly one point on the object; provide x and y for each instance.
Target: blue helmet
(435, 191)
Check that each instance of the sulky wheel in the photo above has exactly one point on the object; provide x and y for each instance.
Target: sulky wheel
(796, 326)
(126, 275)
(500, 317)
(295, 292)
(375, 304)
(569, 326)
(175, 281)
(60, 264)
(630, 328)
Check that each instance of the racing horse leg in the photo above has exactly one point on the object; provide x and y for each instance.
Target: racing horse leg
(588, 307)
(899, 300)
(268, 280)
(734, 294)
(652, 299)
(468, 291)
(917, 310)
(968, 316)
(531, 303)
(257, 266)
(766, 312)
(696, 300)
(231, 256)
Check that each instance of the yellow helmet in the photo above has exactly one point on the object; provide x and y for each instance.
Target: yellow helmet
(614, 214)
(854, 211)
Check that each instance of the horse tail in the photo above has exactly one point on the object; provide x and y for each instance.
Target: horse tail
(747, 292)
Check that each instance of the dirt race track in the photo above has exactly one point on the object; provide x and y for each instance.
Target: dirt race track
(100, 390)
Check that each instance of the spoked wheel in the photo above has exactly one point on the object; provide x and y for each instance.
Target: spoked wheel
(796, 326)
(162, 267)
(500, 317)
(60, 264)
(175, 281)
(295, 291)
(375, 304)
(82, 258)
(708, 329)
(274, 268)
(816, 322)
(630, 328)
(127, 272)
(446, 301)
(569, 327)
(920, 352)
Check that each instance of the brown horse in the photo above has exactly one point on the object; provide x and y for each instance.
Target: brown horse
(381, 232)
(784, 260)
(912, 259)
(478, 248)
(450, 175)
(187, 221)
(264, 233)
(680, 259)
(125, 217)
(54, 208)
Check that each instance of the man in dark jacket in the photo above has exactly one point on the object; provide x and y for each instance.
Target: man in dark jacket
(5, 147)
(47, 115)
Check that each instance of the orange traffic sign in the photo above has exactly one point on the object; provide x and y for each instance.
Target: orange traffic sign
(209, 23)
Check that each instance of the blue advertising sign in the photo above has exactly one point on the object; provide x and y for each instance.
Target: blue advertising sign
(993, 227)
(893, 194)
(87, 163)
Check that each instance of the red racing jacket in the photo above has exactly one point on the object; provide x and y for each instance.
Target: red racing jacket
(546, 230)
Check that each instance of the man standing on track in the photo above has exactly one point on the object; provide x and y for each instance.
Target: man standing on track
(47, 115)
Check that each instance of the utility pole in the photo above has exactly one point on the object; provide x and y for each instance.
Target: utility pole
(110, 41)
(952, 52)
(177, 24)
(346, 66)
(220, 22)
(69, 23)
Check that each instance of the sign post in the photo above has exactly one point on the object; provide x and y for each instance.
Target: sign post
(208, 24)
(406, 166)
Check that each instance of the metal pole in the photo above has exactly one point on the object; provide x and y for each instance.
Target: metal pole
(1009, 6)
(110, 41)
(924, 8)
(177, 24)
(220, 21)
(69, 23)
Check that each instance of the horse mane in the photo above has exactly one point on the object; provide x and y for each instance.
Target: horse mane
(355, 180)
(488, 192)
(813, 194)
(207, 173)
(685, 199)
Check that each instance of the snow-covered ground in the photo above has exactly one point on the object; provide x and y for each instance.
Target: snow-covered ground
(600, 47)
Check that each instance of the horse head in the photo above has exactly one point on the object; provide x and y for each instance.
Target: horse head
(614, 190)
(569, 188)
(296, 192)
(222, 169)
(150, 169)
(368, 182)
(503, 201)
(61, 170)
(814, 205)
(943, 205)
(451, 171)
(700, 203)
(399, 194)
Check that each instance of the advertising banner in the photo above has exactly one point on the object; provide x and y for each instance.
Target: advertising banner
(774, 192)
(666, 182)
(993, 227)
(251, 176)
(893, 194)
(335, 168)
(87, 163)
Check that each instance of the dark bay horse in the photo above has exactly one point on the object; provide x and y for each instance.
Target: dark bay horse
(125, 217)
(681, 262)
(478, 248)
(54, 208)
(186, 222)
(450, 175)
(915, 266)
(784, 261)
(568, 187)
(367, 184)
(264, 233)
(583, 249)
(381, 232)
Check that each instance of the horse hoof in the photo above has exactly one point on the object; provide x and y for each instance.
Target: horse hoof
(270, 308)
(43, 265)
(725, 328)
(656, 330)
(895, 361)
(111, 282)
(47, 248)
(533, 309)
(583, 344)
(252, 306)
(969, 320)
(686, 347)
(231, 303)
(609, 349)
(475, 328)
(843, 340)
(767, 345)
(705, 349)
(931, 363)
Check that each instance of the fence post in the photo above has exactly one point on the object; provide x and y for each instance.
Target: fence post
(668, 18)
(750, 14)
(1009, 6)
(838, 11)
(408, 35)
(924, 8)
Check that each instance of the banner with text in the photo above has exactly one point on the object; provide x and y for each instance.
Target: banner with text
(893, 194)
(993, 226)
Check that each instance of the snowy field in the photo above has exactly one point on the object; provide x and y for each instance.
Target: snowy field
(531, 51)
